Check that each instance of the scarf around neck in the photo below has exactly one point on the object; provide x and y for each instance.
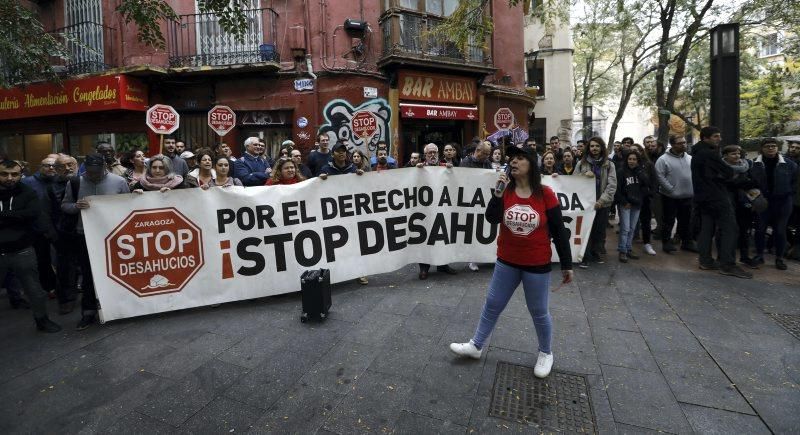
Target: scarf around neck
(157, 183)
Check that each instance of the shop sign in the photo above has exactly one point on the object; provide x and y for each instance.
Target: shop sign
(162, 119)
(304, 85)
(221, 119)
(437, 88)
(503, 118)
(73, 96)
(266, 117)
(427, 111)
(364, 125)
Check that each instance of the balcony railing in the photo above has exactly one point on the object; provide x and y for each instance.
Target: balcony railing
(409, 34)
(89, 45)
(198, 40)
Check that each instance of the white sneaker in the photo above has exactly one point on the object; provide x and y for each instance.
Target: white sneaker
(467, 349)
(473, 267)
(649, 249)
(543, 365)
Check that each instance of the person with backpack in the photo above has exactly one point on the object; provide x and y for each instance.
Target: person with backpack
(96, 181)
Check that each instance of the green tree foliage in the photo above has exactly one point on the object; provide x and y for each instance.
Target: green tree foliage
(766, 107)
(26, 50)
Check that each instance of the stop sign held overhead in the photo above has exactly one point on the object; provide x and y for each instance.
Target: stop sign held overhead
(503, 118)
(221, 119)
(364, 125)
(162, 119)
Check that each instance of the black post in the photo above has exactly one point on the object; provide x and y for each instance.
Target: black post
(689, 136)
(587, 123)
(725, 81)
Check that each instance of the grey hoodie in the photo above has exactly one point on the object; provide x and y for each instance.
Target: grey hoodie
(674, 175)
(110, 185)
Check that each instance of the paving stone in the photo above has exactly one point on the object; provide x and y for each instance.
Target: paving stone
(222, 415)
(609, 315)
(372, 406)
(445, 393)
(644, 308)
(624, 349)
(514, 333)
(444, 290)
(398, 302)
(340, 367)
(101, 406)
(428, 320)
(314, 339)
(175, 404)
(707, 420)
(643, 399)
(573, 346)
(302, 409)
(415, 424)
(354, 304)
(627, 429)
(375, 328)
(404, 354)
(254, 349)
(264, 384)
(136, 423)
(191, 356)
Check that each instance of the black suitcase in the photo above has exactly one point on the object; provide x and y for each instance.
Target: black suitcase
(315, 290)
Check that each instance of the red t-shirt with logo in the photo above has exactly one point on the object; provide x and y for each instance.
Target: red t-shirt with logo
(524, 238)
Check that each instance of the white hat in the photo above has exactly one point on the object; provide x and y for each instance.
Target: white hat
(187, 155)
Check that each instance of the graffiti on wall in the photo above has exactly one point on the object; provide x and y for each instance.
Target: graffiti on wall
(368, 132)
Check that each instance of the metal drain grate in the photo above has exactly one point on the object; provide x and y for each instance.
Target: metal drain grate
(560, 402)
(790, 322)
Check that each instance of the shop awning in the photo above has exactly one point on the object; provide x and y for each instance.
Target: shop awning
(429, 111)
(91, 94)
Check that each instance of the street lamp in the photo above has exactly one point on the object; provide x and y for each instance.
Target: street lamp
(725, 81)
(587, 122)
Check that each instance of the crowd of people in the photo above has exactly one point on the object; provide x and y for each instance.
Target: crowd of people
(699, 199)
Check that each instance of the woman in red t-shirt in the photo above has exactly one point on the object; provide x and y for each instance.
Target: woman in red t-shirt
(531, 216)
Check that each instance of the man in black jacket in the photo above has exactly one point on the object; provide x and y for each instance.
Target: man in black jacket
(710, 176)
(19, 209)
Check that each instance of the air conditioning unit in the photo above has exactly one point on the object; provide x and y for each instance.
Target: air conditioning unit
(355, 26)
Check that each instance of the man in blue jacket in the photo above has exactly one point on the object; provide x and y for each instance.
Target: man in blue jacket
(252, 169)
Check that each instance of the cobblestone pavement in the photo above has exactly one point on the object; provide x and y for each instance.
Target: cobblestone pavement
(663, 347)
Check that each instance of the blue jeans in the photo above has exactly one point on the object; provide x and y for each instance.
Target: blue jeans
(537, 292)
(628, 217)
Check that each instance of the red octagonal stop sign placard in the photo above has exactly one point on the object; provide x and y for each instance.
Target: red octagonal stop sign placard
(162, 119)
(153, 252)
(221, 119)
(503, 118)
(364, 125)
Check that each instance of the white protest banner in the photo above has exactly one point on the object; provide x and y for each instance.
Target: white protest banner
(156, 252)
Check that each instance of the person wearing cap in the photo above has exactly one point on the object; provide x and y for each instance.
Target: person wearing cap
(776, 177)
(19, 210)
(251, 169)
(431, 152)
(113, 164)
(338, 166)
(96, 181)
(340, 163)
(529, 215)
(190, 159)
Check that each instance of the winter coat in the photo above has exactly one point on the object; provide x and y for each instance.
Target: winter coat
(608, 180)
(785, 179)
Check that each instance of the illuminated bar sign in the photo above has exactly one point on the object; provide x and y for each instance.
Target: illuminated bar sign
(436, 88)
(73, 96)
(426, 111)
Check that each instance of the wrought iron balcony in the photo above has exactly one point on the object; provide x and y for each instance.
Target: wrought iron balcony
(408, 35)
(89, 45)
(198, 40)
